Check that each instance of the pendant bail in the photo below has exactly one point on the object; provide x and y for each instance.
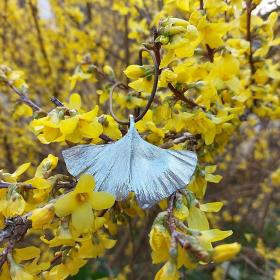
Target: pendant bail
(131, 120)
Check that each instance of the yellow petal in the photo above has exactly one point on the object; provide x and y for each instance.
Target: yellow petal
(66, 204)
(197, 219)
(15, 206)
(89, 116)
(50, 134)
(21, 169)
(75, 101)
(213, 178)
(211, 207)
(46, 165)
(90, 130)
(98, 223)
(183, 5)
(184, 259)
(82, 218)
(39, 183)
(101, 200)
(26, 253)
(214, 235)
(210, 168)
(42, 216)
(67, 126)
(167, 58)
(85, 184)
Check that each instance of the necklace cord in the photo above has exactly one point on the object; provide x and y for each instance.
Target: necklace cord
(152, 95)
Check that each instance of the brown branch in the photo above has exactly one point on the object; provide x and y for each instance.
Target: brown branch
(177, 237)
(89, 11)
(253, 265)
(180, 95)
(34, 12)
(181, 139)
(265, 212)
(249, 9)
(4, 26)
(56, 102)
(4, 185)
(154, 53)
(126, 40)
(210, 53)
(24, 98)
(13, 232)
(5, 253)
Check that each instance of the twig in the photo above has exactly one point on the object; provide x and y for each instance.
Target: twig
(154, 54)
(249, 8)
(4, 26)
(265, 212)
(56, 102)
(4, 185)
(253, 265)
(4, 254)
(24, 98)
(34, 13)
(126, 40)
(186, 242)
(180, 95)
(13, 232)
(210, 51)
(181, 139)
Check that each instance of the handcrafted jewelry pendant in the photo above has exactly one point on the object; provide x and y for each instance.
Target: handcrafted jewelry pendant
(133, 165)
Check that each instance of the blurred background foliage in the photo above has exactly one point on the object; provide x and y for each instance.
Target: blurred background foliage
(47, 45)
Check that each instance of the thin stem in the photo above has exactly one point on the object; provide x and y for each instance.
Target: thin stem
(34, 12)
(126, 40)
(180, 95)
(56, 102)
(4, 24)
(201, 5)
(151, 98)
(177, 237)
(5, 253)
(24, 98)
(249, 8)
(210, 51)
(5, 185)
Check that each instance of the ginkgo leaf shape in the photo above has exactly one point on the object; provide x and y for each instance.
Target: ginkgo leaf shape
(133, 165)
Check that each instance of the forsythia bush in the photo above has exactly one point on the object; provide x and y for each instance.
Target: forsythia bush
(216, 70)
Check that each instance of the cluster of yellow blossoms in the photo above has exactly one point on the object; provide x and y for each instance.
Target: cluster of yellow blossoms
(215, 69)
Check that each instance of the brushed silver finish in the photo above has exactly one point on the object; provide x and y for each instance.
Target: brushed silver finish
(133, 165)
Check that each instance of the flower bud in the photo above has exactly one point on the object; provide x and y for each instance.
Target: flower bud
(134, 72)
(225, 252)
(108, 70)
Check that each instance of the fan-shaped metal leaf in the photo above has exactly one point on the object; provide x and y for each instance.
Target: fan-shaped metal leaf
(133, 165)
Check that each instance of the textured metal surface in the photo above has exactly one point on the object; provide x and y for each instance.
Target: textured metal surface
(133, 165)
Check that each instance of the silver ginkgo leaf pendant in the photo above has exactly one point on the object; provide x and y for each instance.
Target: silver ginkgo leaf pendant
(133, 165)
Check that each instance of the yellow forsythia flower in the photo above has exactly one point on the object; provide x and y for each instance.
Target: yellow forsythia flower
(80, 202)
(42, 216)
